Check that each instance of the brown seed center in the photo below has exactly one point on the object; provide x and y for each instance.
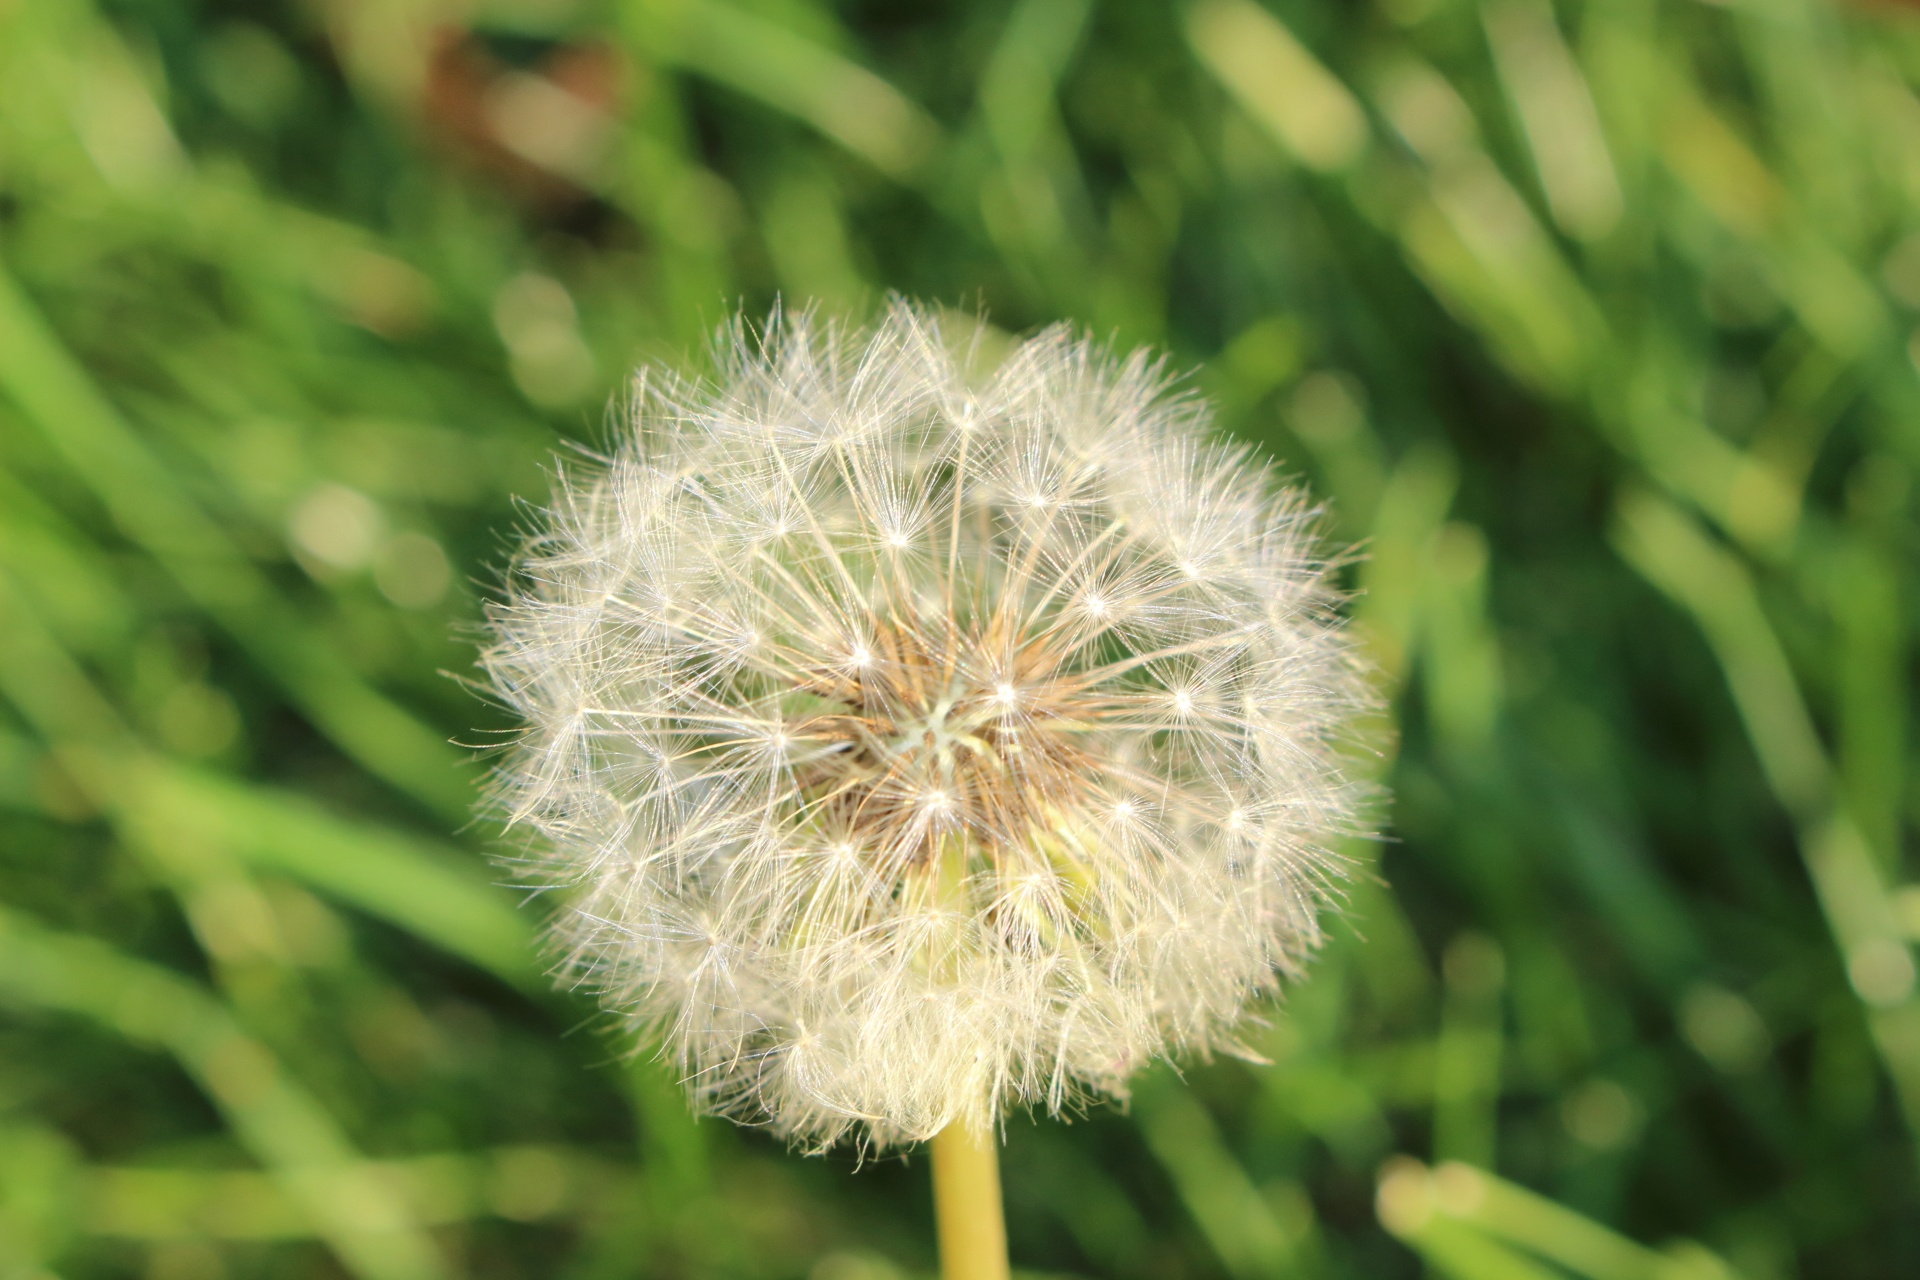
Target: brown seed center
(938, 737)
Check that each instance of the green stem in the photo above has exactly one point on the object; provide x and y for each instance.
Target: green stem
(966, 1201)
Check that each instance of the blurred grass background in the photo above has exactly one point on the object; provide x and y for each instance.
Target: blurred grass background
(1593, 321)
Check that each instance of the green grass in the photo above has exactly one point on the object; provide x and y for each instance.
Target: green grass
(1594, 324)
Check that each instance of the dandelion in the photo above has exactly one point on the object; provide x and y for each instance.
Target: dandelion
(913, 741)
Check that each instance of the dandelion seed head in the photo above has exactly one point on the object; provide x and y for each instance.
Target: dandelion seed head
(911, 741)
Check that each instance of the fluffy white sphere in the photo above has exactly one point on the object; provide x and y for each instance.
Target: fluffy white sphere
(912, 739)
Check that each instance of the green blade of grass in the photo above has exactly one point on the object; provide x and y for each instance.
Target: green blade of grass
(434, 893)
(521, 1183)
(108, 456)
(1476, 1226)
(1228, 1208)
(350, 1205)
(795, 75)
(1716, 589)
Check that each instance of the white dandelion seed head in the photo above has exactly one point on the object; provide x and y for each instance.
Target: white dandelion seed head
(912, 742)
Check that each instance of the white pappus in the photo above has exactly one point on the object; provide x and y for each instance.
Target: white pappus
(911, 739)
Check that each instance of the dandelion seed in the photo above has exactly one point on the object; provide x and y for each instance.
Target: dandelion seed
(913, 742)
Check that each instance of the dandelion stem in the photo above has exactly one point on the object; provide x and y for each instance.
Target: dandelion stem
(966, 1197)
